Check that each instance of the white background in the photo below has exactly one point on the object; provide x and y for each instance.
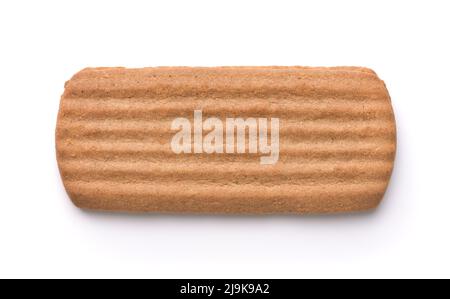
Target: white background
(43, 43)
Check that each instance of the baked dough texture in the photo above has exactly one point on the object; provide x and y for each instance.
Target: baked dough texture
(337, 140)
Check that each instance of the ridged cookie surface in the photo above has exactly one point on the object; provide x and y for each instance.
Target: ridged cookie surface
(313, 140)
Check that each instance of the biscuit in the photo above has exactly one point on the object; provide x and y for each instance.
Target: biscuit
(251, 140)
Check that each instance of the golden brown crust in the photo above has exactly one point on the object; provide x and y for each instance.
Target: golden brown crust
(337, 140)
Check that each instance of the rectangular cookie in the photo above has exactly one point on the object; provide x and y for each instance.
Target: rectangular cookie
(226, 139)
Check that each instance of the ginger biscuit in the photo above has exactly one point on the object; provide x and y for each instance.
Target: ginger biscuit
(248, 140)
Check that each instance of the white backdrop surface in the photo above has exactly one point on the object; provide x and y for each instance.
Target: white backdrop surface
(43, 43)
